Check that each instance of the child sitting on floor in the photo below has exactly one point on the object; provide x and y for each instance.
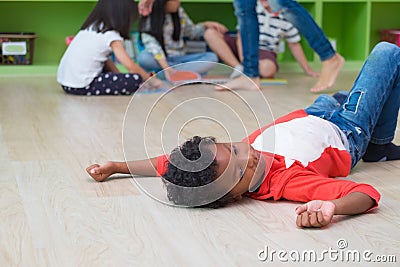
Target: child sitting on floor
(163, 33)
(86, 67)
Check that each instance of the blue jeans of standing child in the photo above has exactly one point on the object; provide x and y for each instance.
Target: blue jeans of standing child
(302, 20)
(370, 111)
(245, 11)
(201, 62)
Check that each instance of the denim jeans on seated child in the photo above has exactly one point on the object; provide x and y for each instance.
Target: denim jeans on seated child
(147, 61)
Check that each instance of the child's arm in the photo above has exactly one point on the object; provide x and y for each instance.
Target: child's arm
(318, 213)
(110, 66)
(145, 167)
(123, 57)
(298, 53)
(168, 71)
(153, 47)
(325, 197)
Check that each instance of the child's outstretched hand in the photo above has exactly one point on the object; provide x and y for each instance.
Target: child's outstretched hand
(316, 213)
(101, 172)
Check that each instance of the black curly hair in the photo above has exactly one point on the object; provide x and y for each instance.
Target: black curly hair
(187, 178)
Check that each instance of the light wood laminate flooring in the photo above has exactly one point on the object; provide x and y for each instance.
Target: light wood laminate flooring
(53, 214)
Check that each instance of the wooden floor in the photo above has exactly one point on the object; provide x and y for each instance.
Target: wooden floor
(53, 214)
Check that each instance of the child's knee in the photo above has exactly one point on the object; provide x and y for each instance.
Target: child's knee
(211, 33)
(267, 69)
(385, 49)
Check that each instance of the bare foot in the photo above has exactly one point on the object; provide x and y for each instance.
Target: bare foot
(330, 70)
(241, 83)
(101, 172)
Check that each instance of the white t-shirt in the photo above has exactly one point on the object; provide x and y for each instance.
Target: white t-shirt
(85, 57)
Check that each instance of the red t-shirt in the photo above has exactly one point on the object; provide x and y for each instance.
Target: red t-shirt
(303, 153)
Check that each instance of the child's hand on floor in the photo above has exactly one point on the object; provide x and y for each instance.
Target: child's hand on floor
(101, 172)
(311, 73)
(169, 72)
(154, 83)
(316, 213)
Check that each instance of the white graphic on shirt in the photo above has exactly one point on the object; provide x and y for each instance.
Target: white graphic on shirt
(303, 139)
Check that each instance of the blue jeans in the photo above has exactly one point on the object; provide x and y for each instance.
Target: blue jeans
(245, 11)
(370, 111)
(302, 20)
(206, 60)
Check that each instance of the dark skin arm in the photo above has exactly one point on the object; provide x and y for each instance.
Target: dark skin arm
(101, 172)
(318, 213)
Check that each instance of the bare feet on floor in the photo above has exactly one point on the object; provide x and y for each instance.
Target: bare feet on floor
(330, 70)
(241, 83)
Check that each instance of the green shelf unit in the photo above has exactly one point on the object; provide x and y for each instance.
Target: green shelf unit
(354, 24)
(347, 23)
(51, 21)
(216, 11)
(384, 15)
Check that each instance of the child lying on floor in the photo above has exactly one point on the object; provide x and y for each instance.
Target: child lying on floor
(311, 146)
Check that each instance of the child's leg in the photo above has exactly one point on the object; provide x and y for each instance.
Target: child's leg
(114, 84)
(246, 14)
(197, 62)
(267, 68)
(371, 109)
(74, 91)
(323, 107)
(223, 46)
(302, 20)
(268, 65)
(147, 61)
(340, 96)
(332, 62)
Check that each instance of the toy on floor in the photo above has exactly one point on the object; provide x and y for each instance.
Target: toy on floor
(264, 81)
(182, 76)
